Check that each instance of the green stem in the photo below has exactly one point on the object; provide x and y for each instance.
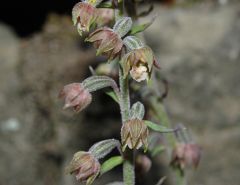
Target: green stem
(128, 173)
(128, 164)
(124, 96)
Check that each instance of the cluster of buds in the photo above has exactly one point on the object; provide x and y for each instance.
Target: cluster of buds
(136, 58)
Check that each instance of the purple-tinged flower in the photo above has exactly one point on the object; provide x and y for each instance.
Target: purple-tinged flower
(143, 164)
(107, 42)
(83, 16)
(134, 134)
(85, 167)
(186, 155)
(139, 63)
(76, 96)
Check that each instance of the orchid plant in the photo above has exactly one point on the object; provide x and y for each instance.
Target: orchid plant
(135, 62)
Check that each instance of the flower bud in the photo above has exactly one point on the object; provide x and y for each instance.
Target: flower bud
(186, 155)
(76, 96)
(107, 42)
(134, 134)
(143, 164)
(83, 16)
(139, 62)
(84, 166)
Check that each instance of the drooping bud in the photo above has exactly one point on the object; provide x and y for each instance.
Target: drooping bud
(143, 164)
(83, 16)
(107, 42)
(123, 26)
(139, 63)
(134, 134)
(186, 155)
(76, 96)
(84, 166)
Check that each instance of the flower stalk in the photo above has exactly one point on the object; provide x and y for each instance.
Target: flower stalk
(128, 164)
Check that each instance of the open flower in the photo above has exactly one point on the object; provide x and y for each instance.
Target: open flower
(76, 96)
(107, 42)
(134, 134)
(85, 166)
(186, 155)
(139, 63)
(83, 16)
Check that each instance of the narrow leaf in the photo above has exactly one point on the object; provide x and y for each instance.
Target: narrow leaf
(113, 95)
(139, 28)
(137, 111)
(102, 148)
(111, 163)
(148, 11)
(158, 128)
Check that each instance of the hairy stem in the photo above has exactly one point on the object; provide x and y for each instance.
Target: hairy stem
(128, 164)
(128, 172)
(124, 96)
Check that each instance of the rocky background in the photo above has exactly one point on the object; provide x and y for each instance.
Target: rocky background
(198, 46)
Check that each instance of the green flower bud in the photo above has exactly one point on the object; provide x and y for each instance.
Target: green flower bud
(134, 134)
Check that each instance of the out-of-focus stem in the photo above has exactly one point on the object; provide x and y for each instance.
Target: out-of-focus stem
(161, 114)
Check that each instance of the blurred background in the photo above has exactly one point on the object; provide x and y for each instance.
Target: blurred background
(198, 45)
